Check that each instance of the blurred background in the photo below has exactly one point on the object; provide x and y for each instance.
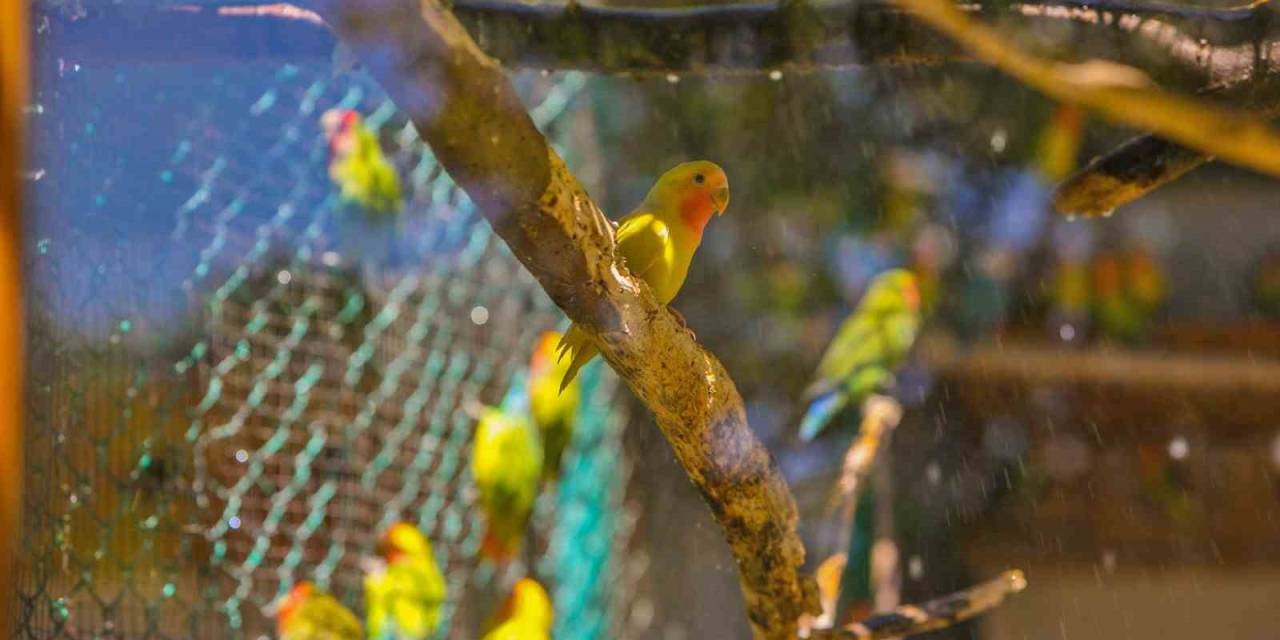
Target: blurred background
(237, 377)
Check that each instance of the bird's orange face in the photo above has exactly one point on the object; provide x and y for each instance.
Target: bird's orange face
(705, 193)
(544, 352)
(401, 539)
(288, 606)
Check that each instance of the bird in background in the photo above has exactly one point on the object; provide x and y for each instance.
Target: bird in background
(657, 241)
(554, 410)
(526, 615)
(404, 589)
(868, 347)
(507, 463)
(358, 165)
(309, 613)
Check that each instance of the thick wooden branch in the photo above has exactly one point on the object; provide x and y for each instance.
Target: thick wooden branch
(1148, 162)
(462, 104)
(728, 38)
(913, 619)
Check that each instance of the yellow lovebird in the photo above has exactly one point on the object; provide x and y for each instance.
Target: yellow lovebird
(308, 613)
(358, 165)
(403, 595)
(527, 614)
(554, 410)
(658, 239)
(506, 462)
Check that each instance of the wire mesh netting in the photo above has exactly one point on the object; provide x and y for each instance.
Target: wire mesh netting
(199, 443)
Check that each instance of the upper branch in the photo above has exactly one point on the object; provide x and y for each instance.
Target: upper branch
(462, 104)
(795, 35)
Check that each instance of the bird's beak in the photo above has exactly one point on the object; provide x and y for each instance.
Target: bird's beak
(721, 199)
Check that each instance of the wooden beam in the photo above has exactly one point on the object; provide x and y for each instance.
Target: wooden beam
(14, 89)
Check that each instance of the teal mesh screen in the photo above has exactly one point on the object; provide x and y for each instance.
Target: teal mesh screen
(242, 399)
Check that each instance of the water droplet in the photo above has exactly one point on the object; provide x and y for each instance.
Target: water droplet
(126, 326)
(775, 75)
(1071, 217)
(479, 315)
(42, 246)
(999, 139)
(673, 78)
(169, 589)
(166, 176)
(915, 567)
(330, 258)
(1108, 213)
(34, 175)
(242, 456)
(150, 523)
(284, 277)
(1067, 333)
(99, 200)
(934, 473)
(234, 522)
(1179, 448)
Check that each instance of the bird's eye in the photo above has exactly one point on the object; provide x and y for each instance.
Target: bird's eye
(699, 178)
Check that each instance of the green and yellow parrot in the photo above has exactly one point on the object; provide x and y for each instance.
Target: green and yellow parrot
(308, 613)
(358, 165)
(554, 409)
(658, 240)
(527, 614)
(506, 461)
(868, 347)
(402, 597)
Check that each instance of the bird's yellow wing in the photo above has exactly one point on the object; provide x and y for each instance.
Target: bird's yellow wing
(645, 242)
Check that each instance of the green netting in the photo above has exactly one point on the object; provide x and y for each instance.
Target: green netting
(182, 480)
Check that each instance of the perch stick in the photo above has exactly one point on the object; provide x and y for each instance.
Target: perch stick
(911, 619)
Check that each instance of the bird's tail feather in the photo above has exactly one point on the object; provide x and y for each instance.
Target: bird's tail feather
(820, 412)
(578, 346)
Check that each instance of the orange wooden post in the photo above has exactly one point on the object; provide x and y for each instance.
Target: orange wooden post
(13, 96)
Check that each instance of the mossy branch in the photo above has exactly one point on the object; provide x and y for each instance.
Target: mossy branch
(462, 104)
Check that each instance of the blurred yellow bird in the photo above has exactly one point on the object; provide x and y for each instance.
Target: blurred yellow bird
(506, 462)
(527, 614)
(554, 410)
(308, 613)
(657, 241)
(403, 595)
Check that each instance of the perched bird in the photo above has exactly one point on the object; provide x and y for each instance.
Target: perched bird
(404, 592)
(308, 613)
(868, 347)
(527, 614)
(506, 461)
(554, 410)
(657, 241)
(358, 165)
(1128, 289)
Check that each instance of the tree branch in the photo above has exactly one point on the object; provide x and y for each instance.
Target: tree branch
(909, 620)
(729, 38)
(462, 104)
(1147, 162)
